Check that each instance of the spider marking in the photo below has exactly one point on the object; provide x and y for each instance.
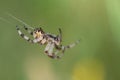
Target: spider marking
(51, 41)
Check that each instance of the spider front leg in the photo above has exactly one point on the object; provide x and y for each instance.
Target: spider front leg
(28, 30)
(25, 37)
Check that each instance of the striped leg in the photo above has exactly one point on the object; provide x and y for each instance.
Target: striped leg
(25, 37)
(28, 30)
(54, 55)
(63, 48)
(71, 45)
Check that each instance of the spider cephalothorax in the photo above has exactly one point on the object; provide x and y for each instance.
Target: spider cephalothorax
(38, 33)
(51, 41)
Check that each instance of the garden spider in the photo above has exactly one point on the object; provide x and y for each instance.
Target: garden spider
(51, 41)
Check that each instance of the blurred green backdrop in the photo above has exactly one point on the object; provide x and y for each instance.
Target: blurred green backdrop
(95, 22)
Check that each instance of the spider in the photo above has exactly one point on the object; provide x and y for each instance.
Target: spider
(51, 41)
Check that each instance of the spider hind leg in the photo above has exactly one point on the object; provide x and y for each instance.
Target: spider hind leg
(64, 48)
(71, 45)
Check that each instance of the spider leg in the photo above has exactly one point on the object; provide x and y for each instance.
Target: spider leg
(70, 45)
(58, 56)
(60, 34)
(63, 48)
(28, 30)
(25, 37)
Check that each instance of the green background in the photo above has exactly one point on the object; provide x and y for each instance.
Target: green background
(95, 22)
